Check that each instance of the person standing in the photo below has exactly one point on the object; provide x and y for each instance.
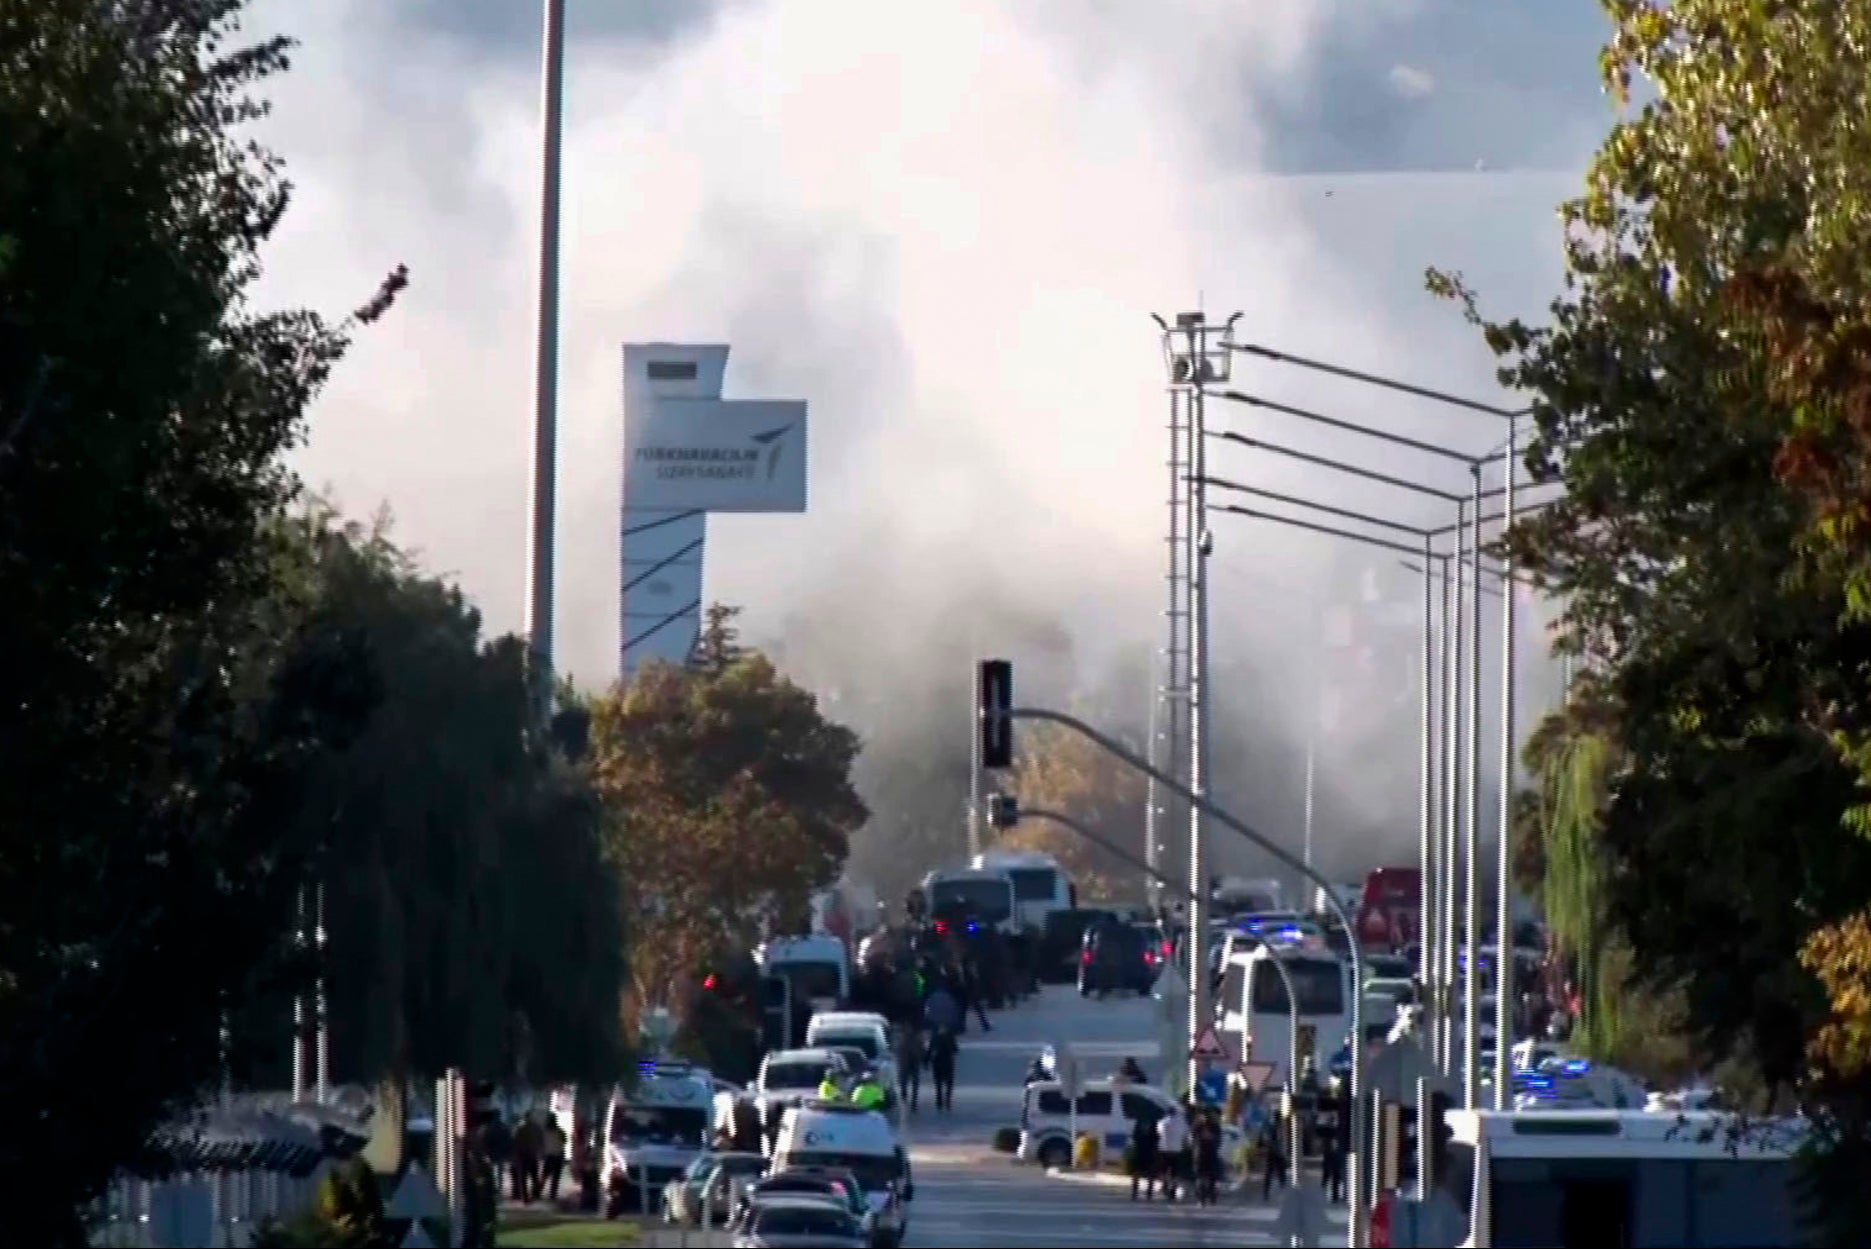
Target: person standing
(942, 1053)
(1145, 1160)
(1207, 1160)
(552, 1159)
(528, 1144)
(1273, 1149)
(910, 1058)
(1172, 1143)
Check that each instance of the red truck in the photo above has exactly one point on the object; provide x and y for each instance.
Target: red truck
(1390, 914)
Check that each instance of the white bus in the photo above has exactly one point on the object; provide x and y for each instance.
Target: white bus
(1254, 1005)
(1609, 1179)
(817, 967)
(1040, 886)
(972, 895)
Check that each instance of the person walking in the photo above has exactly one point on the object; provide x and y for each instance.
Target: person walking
(528, 1144)
(911, 1054)
(1172, 1143)
(1207, 1159)
(942, 1053)
(1273, 1149)
(1144, 1157)
(552, 1159)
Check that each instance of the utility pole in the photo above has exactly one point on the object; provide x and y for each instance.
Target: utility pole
(1198, 354)
(539, 580)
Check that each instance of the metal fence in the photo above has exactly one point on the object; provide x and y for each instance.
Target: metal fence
(204, 1210)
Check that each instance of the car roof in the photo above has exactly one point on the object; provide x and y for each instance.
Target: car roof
(810, 1054)
(776, 1181)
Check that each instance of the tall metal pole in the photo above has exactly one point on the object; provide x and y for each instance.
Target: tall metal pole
(1452, 804)
(1312, 780)
(1426, 830)
(1504, 872)
(1201, 1011)
(539, 605)
(1437, 885)
(974, 767)
(321, 1066)
(301, 1034)
(1175, 614)
(1471, 858)
(1153, 885)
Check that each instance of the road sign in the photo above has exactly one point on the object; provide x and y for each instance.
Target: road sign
(416, 1197)
(1209, 1046)
(1065, 1069)
(1256, 1076)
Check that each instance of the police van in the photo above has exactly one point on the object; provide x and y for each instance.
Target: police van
(653, 1132)
(834, 1134)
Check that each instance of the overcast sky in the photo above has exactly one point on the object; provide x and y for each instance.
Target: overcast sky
(945, 226)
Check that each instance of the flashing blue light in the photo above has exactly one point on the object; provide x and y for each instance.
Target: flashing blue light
(973, 927)
(1576, 1066)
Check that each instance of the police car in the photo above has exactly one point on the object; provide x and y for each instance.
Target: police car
(841, 1136)
(653, 1132)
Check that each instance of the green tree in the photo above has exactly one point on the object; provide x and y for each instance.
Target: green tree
(1660, 399)
(473, 920)
(154, 736)
(730, 802)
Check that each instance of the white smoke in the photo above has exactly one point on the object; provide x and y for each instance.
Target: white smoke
(943, 225)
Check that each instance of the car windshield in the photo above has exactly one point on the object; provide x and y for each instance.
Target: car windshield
(1319, 983)
(660, 1125)
(873, 1171)
(986, 899)
(864, 1043)
(793, 1075)
(811, 979)
(804, 1220)
(1034, 884)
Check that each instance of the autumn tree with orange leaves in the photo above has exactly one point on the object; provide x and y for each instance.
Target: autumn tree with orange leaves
(1061, 771)
(730, 802)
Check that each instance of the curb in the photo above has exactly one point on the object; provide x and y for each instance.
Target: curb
(1107, 1179)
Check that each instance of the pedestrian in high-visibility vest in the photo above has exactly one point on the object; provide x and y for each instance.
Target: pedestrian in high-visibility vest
(868, 1094)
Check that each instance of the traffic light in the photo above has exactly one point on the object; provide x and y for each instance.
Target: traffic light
(711, 982)
(994, 699)
(1003, 810)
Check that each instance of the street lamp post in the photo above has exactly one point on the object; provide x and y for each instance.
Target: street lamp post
(1471, 936)
(1504, 986)
(539, 596)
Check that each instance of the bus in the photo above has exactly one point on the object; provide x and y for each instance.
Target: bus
(1254, 1006)
(1610, 1179)
(817, 969)
(1040, 887)
(972, 895)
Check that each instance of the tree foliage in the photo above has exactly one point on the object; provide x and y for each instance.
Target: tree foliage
(1058, 770)
(1694, 391)
(472, 916)
(729, 801)
(158, 721)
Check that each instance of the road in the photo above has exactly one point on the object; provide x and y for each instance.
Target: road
(968, 1196)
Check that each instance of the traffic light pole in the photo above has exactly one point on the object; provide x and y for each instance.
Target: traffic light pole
(996, 732)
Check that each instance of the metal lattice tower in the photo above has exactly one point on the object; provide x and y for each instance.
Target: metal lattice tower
(1170, 712)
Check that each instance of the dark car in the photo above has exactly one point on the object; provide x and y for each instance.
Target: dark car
(1115, 958)
(1062, 939)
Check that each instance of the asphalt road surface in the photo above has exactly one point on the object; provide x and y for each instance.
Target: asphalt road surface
(967, 1195)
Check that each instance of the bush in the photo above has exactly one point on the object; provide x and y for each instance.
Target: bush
(347, 1215)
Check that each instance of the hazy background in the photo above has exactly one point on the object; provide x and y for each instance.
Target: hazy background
(945, 226)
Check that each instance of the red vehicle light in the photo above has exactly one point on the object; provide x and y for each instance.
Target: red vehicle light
(1085, 957)
(1168, 949)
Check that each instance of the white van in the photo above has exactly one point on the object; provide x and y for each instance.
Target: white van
(1106, 1109)
(863, 1031)
(653, 1132)
(832, 1134)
